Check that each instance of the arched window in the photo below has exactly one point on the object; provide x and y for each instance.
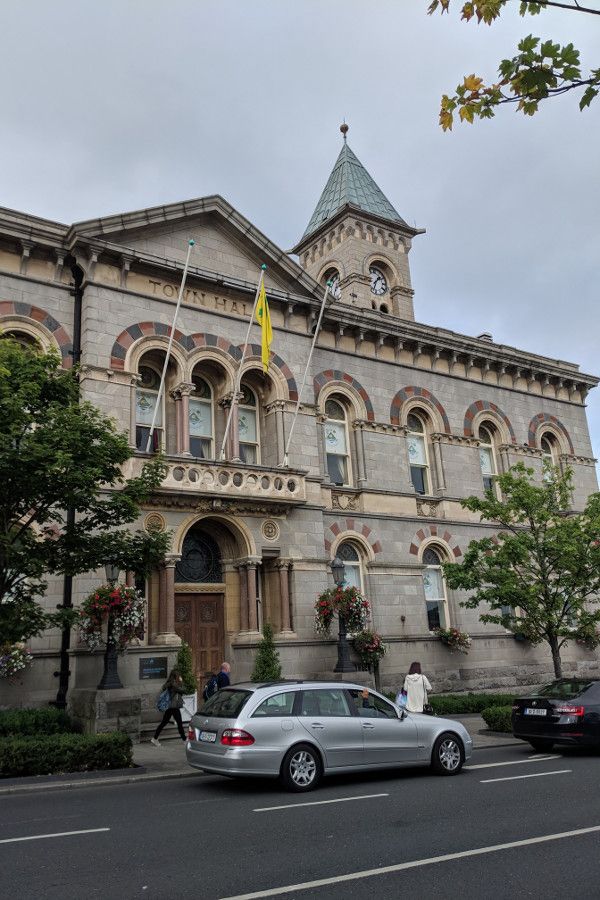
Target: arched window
(200, 559)
(249, 428)
(23, 338)
(350, 556)
(435, 589)
(549, 448)
(333, 276)
(146, 398)
(337, 443)
(201, 419)
(418, 455)
(487, 457)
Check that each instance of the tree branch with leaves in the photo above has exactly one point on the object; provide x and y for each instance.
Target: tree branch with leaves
(540, 70)
(540, 576)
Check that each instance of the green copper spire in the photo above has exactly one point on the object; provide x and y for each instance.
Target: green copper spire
(351, 185)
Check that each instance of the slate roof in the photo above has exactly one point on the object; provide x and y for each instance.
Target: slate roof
(351, 184)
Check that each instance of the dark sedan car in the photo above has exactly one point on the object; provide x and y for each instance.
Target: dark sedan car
(564, 712)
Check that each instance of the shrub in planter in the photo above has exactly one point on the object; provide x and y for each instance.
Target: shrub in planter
(34, 721)
(498, 718)
(58, 753)
(267, 665)
(185, 668)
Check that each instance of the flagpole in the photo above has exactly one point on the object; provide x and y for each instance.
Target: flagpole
(191, 243)
(238, 376)
(312, 347)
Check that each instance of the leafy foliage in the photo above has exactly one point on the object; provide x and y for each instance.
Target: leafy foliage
(540, 577)
(370, 647)
(56, 452)
(460, 704)
(498, 718)
(34, 721)
(267, 665)
(186, 669)
(123, 605)
(541, 69)
(347, 603)
(57, 753)
(454, 639)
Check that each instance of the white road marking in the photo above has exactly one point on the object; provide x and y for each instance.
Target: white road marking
(40, 837)
(510, 762)
(535, 775)
(414, 864)
(319, 802)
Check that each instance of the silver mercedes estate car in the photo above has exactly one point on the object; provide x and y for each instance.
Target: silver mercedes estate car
(301, 730)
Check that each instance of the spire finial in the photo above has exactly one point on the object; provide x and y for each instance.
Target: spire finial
(344, 129)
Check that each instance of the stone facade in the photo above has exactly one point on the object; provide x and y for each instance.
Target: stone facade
(276, 528)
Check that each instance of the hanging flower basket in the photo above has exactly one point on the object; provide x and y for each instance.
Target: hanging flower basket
(370, 648)
(347, 603)
(454, 639)
(14, 659)
(126, 607)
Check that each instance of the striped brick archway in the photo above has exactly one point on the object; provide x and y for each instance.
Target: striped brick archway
(254, 351)
(486, 406)
(546, 418)
(41, 317)
(351, 525)
(335, 375)
(429, 532)
(410, 392)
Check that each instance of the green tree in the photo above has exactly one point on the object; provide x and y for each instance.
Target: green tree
(540, 577)
(186, 669)
(56, 452)
(541, 69)
(267, 666)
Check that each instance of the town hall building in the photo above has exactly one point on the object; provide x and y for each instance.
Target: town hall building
(399, 421)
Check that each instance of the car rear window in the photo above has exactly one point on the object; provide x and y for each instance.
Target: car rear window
(565, 689)
(225, 704)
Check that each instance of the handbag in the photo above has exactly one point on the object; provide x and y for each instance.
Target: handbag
(427, 707)
(164, 700)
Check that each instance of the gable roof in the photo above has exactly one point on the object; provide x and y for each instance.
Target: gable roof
(351, 185)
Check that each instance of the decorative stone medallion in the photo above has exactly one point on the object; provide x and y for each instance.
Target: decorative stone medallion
(154, 523)
(270, 530)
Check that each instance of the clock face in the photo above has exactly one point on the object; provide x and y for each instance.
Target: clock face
(334, 278)
(378, 282)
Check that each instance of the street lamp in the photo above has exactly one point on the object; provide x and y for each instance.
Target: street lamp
(344, 663)
(110, 676)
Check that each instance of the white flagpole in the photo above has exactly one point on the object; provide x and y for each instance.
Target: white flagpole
(238, 376)
(312, 347)
(161, 387)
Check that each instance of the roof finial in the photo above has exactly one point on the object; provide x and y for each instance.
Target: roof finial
(344, 129)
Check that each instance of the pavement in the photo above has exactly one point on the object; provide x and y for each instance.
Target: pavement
(168, 761)
(512, 825)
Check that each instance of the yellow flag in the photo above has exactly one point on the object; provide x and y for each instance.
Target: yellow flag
(263, 317)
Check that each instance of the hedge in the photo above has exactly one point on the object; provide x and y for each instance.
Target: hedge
(498, 718)
(34, 721)
(458, 704)
(58, 753)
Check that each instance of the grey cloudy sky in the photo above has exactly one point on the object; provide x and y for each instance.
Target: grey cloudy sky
(122, 104)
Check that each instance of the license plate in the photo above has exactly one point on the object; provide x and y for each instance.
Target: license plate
(535, 712)
(208, 736)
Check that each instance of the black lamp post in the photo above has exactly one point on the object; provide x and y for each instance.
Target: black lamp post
(344, 663)
(110, 676)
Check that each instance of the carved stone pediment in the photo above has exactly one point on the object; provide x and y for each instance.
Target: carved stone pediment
(216, 505)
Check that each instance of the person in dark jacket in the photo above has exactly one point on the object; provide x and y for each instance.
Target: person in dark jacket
(173, 684)
(223, 679)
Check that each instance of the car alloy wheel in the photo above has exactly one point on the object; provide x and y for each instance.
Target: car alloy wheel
(303, 768)
(449, 754)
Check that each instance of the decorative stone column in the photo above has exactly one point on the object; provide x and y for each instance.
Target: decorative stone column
(181, 396)
(135, 380)
(321, 419)
(359, 446)
(251, 594)
(283, 567)
(130, 579)
(243, 576)
(166, 601)
(276, 409)
(436, 441)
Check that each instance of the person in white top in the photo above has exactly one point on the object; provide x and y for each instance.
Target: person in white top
(415, 688)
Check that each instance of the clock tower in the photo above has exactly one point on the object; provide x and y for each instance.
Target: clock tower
(357, 240)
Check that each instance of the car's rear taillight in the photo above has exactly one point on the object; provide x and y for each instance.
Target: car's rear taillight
(570, 710)
(235, 737)
(191, 735)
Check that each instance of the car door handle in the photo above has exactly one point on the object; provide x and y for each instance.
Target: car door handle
(367, 725)
(316, 725)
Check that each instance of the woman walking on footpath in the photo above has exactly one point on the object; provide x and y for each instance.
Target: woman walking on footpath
(174, 685)
(415, 689)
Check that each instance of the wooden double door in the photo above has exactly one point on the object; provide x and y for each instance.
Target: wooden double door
(199, 621)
